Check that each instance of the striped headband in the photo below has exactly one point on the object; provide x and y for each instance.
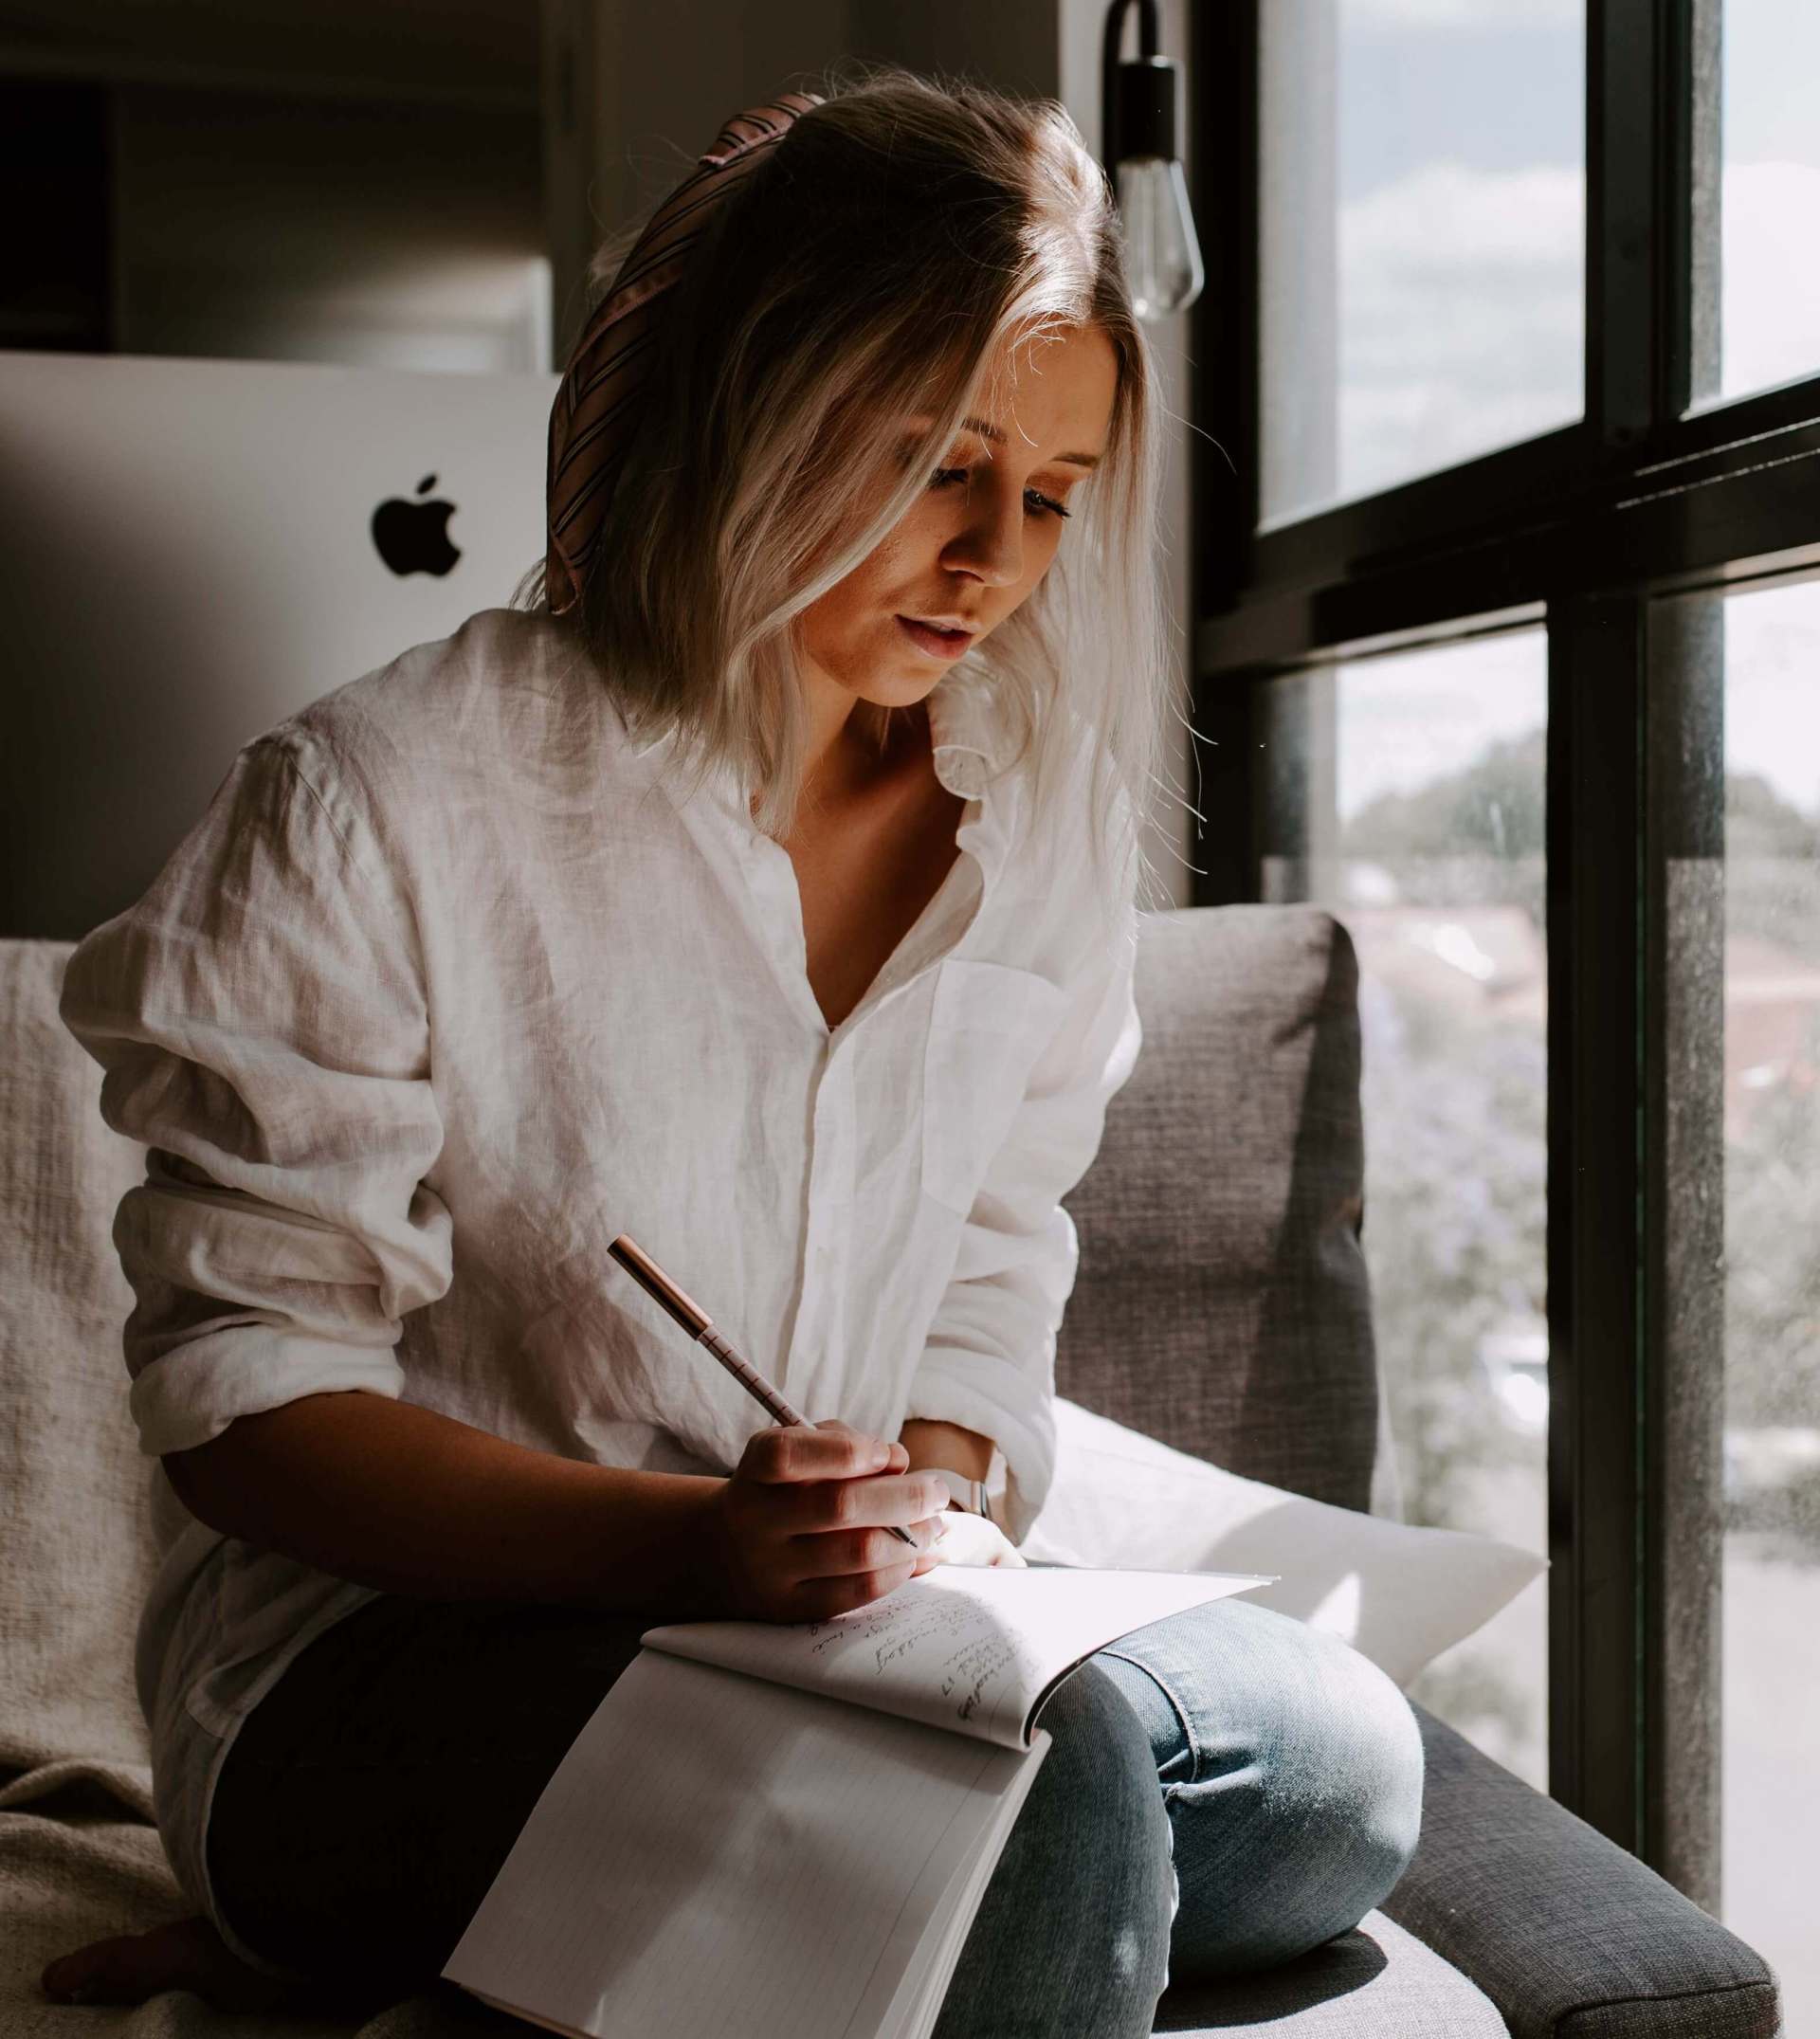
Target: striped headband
(596, 406)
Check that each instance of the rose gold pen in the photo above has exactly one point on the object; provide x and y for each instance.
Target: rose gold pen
(699, 1326)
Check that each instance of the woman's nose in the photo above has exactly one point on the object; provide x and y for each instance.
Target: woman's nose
(991, 541)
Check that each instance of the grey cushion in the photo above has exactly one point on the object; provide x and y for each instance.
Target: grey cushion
(1222, 1303)
(1375, 1982)
(1569, 1934)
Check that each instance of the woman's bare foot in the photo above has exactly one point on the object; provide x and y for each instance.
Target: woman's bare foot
(188, 1954)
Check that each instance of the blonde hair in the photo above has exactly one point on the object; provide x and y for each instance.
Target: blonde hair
(900, 235)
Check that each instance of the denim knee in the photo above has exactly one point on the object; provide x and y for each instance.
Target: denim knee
(1368, 1751)
(1296, 1798)
(1073, 1933)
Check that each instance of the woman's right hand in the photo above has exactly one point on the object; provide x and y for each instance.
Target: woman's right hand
(804, 1522)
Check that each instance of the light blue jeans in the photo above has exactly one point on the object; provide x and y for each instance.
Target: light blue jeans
(1227, 1789)
(1224, 1788)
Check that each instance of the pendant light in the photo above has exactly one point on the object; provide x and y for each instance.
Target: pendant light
(1138, 142)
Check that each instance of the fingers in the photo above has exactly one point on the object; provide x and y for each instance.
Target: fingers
(898, 1457)
(972, 1541)
(814, 1507)
(821, 1598)
(826, 1476)
(850, 1552)
(828, 1450)
(808, 1519)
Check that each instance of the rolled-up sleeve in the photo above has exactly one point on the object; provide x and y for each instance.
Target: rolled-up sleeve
(989, 1358)
(261, 1019)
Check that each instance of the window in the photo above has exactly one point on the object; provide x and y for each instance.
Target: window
(1423, 188)
(1605, 596)
(1769, 307)
(1434, 862)
(1771, 1109)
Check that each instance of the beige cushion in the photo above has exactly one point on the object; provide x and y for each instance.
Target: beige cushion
(78, 1558)
(75, 1498)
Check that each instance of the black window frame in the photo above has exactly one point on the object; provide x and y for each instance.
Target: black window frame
(1584, 530)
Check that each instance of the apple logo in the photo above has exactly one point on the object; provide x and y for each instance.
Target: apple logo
(412, 537)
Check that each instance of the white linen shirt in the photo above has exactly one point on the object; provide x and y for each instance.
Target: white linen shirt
(449, 986)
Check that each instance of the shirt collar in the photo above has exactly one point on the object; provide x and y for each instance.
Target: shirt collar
(969, 745)
(964, 726)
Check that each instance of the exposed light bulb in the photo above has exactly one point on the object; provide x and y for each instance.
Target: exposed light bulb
(1137, 106)
(1162, 256)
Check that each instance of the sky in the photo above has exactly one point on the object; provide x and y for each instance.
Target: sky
(1460, 186)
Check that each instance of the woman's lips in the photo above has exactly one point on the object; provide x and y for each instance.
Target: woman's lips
(936, 643)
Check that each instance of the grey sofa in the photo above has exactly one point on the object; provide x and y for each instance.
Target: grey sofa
(1221, 1306)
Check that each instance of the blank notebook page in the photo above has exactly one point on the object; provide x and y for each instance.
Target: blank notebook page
(716, 1853)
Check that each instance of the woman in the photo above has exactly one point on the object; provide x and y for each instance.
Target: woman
(715, 897)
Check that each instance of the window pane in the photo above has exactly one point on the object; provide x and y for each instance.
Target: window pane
(1770, 290)
(1407, 795)
(1423, 172)
(1770, 1733)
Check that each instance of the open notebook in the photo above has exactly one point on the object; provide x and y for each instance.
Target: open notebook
(786, 1830)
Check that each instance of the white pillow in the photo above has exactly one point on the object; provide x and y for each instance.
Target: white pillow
(1398, 1594)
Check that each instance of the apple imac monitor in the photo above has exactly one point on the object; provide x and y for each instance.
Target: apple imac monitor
(196, 548)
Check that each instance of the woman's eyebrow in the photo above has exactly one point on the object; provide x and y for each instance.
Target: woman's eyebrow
(992, 431)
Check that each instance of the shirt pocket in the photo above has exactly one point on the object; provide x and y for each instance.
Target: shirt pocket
(988, 1025)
